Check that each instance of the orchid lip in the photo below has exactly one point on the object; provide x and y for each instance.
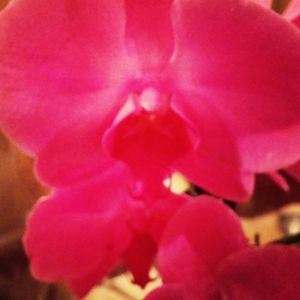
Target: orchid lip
(148, 134)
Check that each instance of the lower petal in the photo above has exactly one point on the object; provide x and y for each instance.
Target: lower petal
(167, 292)
(197, 238)
(77, 229)
(272, 272)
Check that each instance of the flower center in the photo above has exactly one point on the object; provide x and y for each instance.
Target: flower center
(148, 136)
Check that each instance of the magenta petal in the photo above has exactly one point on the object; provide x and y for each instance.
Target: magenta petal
(76, 229)
(82, 285)
(150, 32)
(215, 164)
(139, 258)
(272, 272)
(76, 152)
(55, 59)
(243, 71)
(197, 238)
(167, 292)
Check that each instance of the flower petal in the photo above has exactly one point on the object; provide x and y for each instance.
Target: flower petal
(228, 53)
(149, 32)
(214, 165)
(76, 151)
(197, 238)
(167, 292)
(139, 258)
(76, 229)
(271, 272)
(55, 60)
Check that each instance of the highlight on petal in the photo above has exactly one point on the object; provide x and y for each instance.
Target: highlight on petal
(292, 11)
(265, 3)
(243, 72)
(56, 59)
(75, 232)
(271, 272)
(149, 32)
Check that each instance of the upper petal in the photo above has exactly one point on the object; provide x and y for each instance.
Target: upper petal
(55, 58)
(267, 273)
(149, 32)
(76, 231)
(228, 52)
(167, 292)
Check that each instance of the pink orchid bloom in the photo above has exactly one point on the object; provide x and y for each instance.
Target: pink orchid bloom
(110, 97)
(71, 86)
(204, 255)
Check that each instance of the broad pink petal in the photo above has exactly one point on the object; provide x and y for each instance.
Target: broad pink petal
(214, 165)
(149, 32)
(77, 229)
(56, 58)
(76, 152)
(202, 233)
(167, 292)
(229, 55)
(265, 273)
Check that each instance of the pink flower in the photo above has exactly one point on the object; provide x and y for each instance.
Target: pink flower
(110, 97)
(218, 101)
(204, 255)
